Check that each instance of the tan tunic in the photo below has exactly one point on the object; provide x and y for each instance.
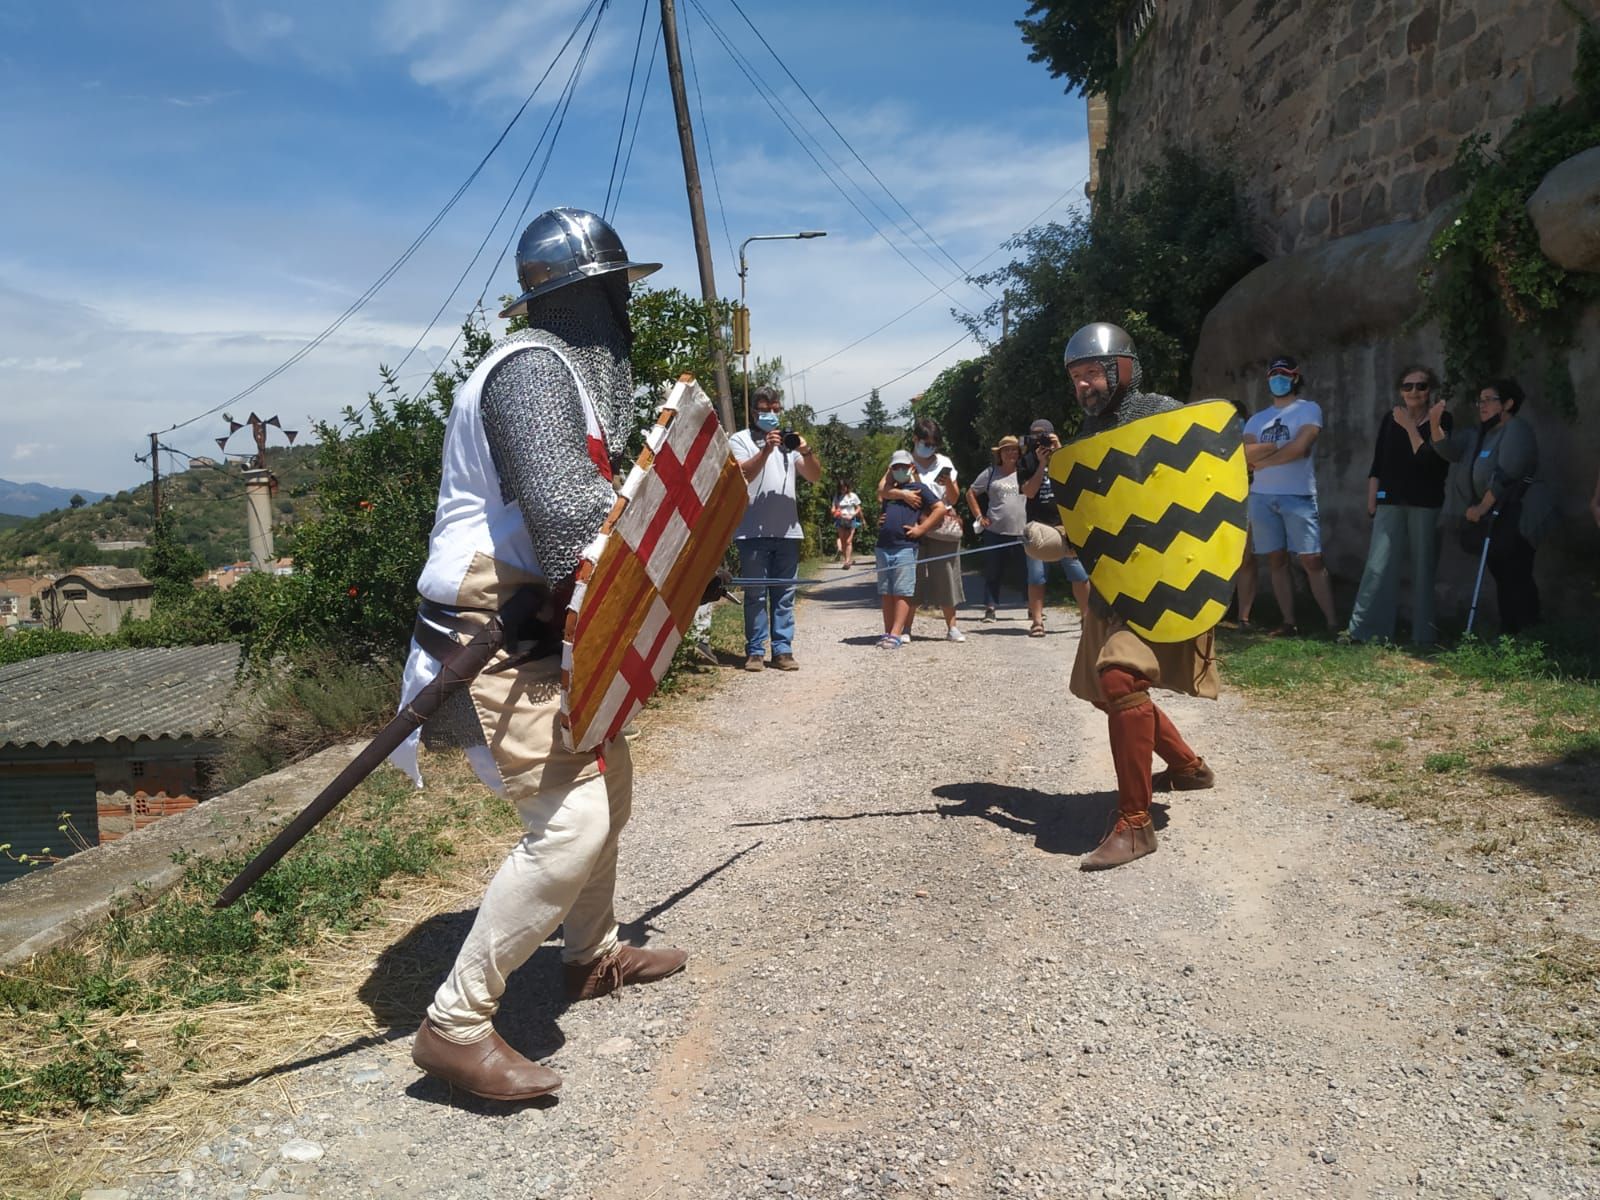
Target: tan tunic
(1189, 666)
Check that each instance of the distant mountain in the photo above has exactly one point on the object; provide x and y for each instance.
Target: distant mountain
(31, 499)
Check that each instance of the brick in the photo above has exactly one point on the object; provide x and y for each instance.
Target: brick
(1375, 206)
(1349, 209)
(1423, 30)
(1440, 187)
(1346, 113)
(1458, 29)
(1374, 90)
(1413, 123)
(1483, 58)
(1405, 195)
(1383, 143)
(1466, 111)
(1402, 84)
(1424, 75)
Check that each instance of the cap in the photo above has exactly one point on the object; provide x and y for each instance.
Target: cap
(1285, 366)
(900, 458)
(1041, 426)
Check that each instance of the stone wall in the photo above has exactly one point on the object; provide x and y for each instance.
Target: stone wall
(1338, 115)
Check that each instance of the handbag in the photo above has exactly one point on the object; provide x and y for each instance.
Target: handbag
(948, 531)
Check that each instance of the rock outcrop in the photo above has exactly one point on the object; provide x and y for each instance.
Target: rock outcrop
(1566, 211)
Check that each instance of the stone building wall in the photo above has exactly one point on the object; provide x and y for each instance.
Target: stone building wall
(1337, 115)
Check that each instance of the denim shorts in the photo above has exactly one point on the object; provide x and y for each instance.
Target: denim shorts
(897, 571)
(1070, 567)
(1284, 523)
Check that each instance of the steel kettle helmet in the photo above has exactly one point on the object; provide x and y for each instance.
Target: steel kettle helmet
(1111, 347)
(566, 245)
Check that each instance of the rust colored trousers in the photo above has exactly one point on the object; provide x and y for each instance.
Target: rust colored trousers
(1139, 729)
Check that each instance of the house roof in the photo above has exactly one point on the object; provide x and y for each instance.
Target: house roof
(108, 579)
(102, 695)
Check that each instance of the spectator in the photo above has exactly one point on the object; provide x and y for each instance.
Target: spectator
(1039, 492)
(1001, 522)
(938, 554)
(846, 511)
(904, 524)
(1278, 444)
(1405, 491)
(1504, 499)
(769, 536)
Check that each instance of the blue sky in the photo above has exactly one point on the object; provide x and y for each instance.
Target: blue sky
(191, 190)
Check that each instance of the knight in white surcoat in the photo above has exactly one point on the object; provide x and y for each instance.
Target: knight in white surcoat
(528, 454)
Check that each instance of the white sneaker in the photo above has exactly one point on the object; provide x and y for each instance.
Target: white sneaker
(954, 635)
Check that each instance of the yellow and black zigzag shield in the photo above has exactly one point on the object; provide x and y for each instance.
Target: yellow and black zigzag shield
(1157, 511)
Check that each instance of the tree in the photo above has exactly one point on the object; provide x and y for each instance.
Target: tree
(955, 399)
(1154, 262)
(875, 417)
(1076, 39)
(77, 501)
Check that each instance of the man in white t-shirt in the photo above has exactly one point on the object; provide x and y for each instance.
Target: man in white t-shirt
(1278, 444)
(769, 537)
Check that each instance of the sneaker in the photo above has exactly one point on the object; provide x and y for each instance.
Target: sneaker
(954, 635)
(784, 662)
(988, 614)
(755, 663)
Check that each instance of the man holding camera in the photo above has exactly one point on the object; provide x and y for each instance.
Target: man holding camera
(769, 537)
(1037, 447)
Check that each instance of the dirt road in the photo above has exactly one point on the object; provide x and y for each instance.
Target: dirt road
(901, 985)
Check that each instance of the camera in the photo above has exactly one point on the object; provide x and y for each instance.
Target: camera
(1032, 443)
(791, 439)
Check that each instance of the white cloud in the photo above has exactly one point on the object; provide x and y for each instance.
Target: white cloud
(24, 450)
(42, 366)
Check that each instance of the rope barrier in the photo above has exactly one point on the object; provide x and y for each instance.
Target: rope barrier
(872, 572)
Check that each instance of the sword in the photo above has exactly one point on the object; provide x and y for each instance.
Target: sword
(454, 672)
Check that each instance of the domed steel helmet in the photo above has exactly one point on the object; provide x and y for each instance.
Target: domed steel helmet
(566, 245)
(1109, 345)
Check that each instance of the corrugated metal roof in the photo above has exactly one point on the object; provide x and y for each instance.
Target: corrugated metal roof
(177, 691)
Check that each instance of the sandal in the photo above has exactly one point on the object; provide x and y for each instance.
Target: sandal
(889, 642)
(1037, 629)
(1285, 631)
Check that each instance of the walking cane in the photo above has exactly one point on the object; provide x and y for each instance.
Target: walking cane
(1483, 561)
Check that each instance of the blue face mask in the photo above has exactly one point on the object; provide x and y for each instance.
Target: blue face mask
(1280, 385)
(924, 450)
(766, 421)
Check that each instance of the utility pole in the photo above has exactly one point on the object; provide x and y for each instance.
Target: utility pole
(155, 474)
(697, 211)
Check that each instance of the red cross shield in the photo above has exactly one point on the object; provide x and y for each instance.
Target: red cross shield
(642, 577)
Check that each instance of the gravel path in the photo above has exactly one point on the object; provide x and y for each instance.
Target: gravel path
(901, 985)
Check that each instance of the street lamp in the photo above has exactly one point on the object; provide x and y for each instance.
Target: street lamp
(744, 352)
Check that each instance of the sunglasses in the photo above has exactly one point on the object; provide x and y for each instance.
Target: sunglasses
(1412, 385)
(1482, 400)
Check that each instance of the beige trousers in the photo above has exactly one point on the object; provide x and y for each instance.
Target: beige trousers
(564, 870)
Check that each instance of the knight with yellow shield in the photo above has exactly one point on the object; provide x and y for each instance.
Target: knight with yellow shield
(1152, 495)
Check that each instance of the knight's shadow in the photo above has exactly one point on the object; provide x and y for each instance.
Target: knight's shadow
(1059, 824)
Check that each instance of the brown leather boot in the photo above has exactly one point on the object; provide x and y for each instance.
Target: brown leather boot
(785, 662)
(1196, 777)
(1126, 842)
(625, 964)
(487, 1067)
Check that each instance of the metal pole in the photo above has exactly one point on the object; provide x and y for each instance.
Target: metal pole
(744, 357)
(1483, 561)
(697, 209)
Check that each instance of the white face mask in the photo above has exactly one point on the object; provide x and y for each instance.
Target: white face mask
(901, 474)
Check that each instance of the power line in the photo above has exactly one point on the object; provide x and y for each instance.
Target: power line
(388, 274)
(866, 394)
(557, 117)
(638, 118)
(932, 295)
(774, 103)
(716, 184)
(627, 103)
(965, 273)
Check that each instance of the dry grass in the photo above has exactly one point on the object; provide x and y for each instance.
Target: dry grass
(199, 1062)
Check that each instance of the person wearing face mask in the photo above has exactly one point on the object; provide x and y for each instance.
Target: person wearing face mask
(1500, 490)
(939, 553)
(1278, 443)
(1115, 667)
(769, 537)
(910, 510)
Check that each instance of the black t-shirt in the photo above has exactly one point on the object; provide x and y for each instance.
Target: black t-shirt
(1043, 506)
(1405, 476)
(897, 514)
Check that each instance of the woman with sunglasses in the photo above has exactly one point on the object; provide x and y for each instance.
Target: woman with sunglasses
(1504, 500)
(1405, 491)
